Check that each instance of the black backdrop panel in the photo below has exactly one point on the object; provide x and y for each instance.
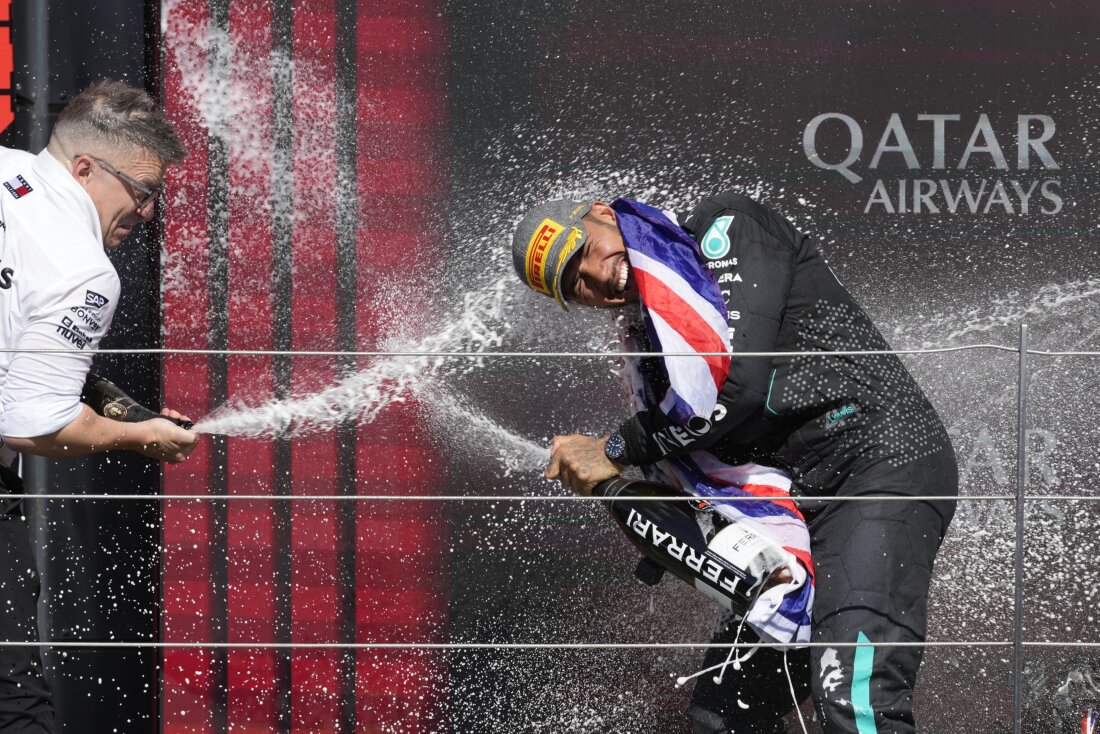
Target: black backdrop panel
(99, 560)
(966, 208)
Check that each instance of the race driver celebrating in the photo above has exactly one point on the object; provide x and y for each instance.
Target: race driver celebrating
(850, 426)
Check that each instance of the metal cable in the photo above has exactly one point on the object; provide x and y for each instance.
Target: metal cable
(524, 645)
(544, 355)
(540, 497)
(1018, 581)
(509, 498)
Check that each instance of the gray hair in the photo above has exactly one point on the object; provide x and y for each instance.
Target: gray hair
(119, 115)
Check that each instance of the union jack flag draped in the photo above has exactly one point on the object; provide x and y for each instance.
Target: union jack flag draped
(683, 307)
(684, 311)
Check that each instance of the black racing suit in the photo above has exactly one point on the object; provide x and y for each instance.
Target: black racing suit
(843, 426)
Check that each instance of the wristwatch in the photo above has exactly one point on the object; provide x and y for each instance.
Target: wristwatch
(615, 449)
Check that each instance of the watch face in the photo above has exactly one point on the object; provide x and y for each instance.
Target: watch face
(615, 448)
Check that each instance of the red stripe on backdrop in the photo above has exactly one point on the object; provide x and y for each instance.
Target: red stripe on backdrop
(315, 674)
(401, 593)
(401, 184)
(187, 686)
(251, 593)
(191, 91)
(406, 32)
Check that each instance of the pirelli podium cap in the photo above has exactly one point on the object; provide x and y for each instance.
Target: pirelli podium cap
(546, 239)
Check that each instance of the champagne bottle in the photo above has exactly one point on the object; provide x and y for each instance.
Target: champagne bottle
(109, 400)
(671, 538)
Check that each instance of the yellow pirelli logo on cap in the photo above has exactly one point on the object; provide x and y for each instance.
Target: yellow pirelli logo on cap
(537, 250)
(571, 241)
(570, 244)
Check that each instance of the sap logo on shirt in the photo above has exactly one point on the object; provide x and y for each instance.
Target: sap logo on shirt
(93, 299)
(6, 276)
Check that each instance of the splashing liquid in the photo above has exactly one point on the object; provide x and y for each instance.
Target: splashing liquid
(361, 396)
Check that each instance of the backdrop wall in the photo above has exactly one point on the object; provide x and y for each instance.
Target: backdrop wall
(355, 173)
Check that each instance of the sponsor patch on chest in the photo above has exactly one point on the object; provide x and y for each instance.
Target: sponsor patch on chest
(716, 242)
(18, 187)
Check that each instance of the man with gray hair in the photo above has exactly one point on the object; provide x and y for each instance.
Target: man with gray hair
(99, 177)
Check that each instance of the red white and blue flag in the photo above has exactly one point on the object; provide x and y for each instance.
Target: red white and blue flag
(1089, 720)
(783, 613)
(683, 308)
(684, 312)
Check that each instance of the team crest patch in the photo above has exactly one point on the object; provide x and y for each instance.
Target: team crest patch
(716, 242)
(18, 187)
(95, 300)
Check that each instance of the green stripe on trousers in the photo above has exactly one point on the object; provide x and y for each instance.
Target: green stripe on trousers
(861, 687)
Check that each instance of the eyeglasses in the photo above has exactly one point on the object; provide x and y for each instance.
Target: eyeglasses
(148, 195)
